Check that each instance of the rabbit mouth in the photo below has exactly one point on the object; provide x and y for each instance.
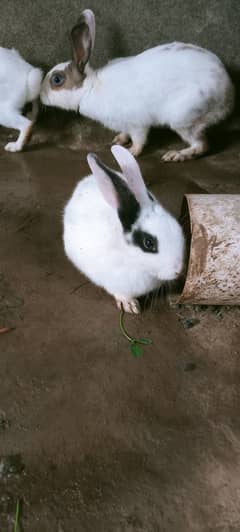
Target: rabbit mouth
(44, 98)
(169, 277)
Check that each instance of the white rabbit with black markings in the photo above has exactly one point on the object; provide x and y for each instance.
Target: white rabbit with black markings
(20, 83)
(178, 85)
(118, 234)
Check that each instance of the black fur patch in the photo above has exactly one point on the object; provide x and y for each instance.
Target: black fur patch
(145, 241)
(129, 208)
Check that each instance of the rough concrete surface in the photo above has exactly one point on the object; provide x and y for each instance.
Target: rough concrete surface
(40, 30)
(91, 438)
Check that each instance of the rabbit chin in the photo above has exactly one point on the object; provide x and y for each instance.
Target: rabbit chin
(63, 98)
(133, 282)
(139, 286)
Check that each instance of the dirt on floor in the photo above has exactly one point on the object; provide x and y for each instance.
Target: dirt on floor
(93, 439)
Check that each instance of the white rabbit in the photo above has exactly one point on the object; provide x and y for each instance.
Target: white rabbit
(20, 83)
(178, 85)
(117, 233)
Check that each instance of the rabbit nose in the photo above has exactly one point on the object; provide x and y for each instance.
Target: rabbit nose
(178, 272)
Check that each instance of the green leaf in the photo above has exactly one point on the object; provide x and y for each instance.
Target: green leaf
(136, 349)
(135, 344)
(144, 341)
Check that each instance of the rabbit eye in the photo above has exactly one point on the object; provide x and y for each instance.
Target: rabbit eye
(145, 241)
(149, 243)
(57, 79)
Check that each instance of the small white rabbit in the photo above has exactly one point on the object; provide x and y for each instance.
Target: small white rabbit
(178, 85)
(20, 83)
(117, 233)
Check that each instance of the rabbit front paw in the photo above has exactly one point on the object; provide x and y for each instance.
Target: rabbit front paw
(128, 305)
(13, 147)
(121, 139)
(136, 149)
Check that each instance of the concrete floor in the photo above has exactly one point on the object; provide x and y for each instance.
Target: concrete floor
(91, 438)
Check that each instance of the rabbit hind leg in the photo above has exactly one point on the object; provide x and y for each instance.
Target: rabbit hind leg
(15, 120)
(198, 145)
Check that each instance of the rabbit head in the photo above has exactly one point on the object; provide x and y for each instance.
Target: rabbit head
(60, 83)
(152, 234)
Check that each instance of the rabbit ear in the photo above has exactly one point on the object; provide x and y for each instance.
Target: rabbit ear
(90, 21)
(83, 37)
(115, 191)
(131, 172)
(101, 172)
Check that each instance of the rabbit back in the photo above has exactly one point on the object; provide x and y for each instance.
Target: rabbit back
(172, 85)
(19, 81)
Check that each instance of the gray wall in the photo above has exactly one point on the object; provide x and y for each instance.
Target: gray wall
(40, 29)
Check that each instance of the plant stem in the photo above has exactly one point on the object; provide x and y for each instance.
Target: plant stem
(129, 338)
(17, 516)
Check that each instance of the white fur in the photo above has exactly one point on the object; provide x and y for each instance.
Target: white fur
(95, 242)
(20, 83)
(178, 85)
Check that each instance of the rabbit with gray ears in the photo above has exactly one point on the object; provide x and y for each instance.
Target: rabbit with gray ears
(20, 83)
(118, 234)
(177, 85)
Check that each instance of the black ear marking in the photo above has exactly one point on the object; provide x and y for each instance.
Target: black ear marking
(148, 243)
(129, 208)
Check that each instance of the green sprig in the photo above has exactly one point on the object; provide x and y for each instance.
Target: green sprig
(16, 526)
(135, 343)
